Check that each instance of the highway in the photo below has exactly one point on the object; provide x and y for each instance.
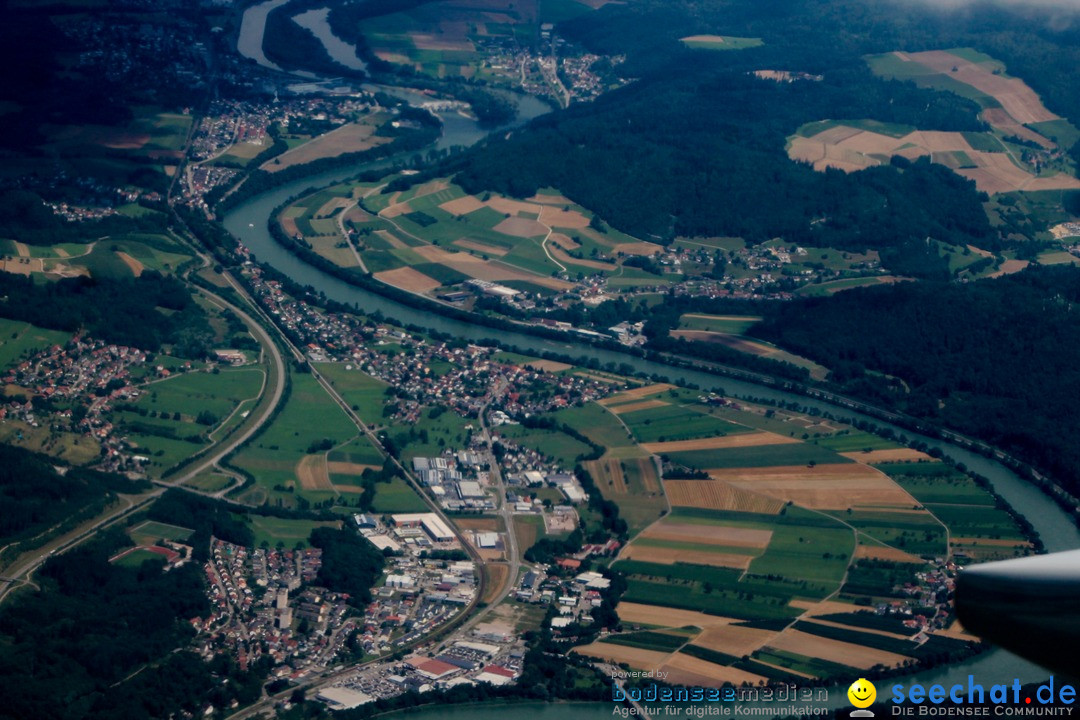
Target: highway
(25, 566)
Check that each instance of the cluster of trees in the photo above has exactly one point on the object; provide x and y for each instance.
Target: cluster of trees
(25, 217)
(36, 497)
(350, 563)
(72, 647)
(205, 516)
(996, 359)
(491, 108)
(144, 312)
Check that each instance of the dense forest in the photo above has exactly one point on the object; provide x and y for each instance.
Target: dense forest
(704, 141)
(706, 153)
(35, 496)
(995, 359)
(25, 217)
(72, 648)
(146, 312)
(350, 563)
(205, 516)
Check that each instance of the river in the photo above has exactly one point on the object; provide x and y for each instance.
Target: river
(252, 26)
(248, 222)
(339, 51)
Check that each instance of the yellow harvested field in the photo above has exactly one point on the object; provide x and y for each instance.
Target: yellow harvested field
(634, 657)
(288, 224)
(715, 443)
(1005, 122)
(349, 138)
(134, 265)
(1016, 98)
(348, 468)
(564, 241)
(462, 205)
(878, 552)
(851, 149)
(670, 556)
(483, 524)
(869, 631)
(734, 639)
(312, 473)
(890, 455)
(814, 608)
(521, 227)
(550, 199)
(481, 247)
(831, 486)
(708, 534)
(608, 474)
(557, 217)
(634, 406)
(408, 279)
(428, 41)
(1010, 266)
(718, 495)
(669, 617)
(695, 672)
(496, 575)
(796, 641)
(485, 270)
(552, 366)
(638, 392)
(735, 342)
(563, 257)
(512, 207)
(331, 205)
(394, 209)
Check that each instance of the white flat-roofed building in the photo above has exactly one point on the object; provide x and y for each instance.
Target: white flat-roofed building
(574, 493)
(384, 543)
(487, 539)
(430, 522)
(470, 489)
(341, 698)
(478, 647)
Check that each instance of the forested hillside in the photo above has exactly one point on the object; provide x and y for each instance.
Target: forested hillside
(696, 145)
(996, 359)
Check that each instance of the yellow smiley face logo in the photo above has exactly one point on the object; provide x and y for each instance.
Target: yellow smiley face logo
(862, 693)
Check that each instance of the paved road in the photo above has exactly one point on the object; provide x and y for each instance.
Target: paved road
(25, 567)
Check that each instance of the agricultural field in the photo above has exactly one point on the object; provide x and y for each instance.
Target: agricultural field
(794, 518)
(349, 138)
(720, 42)
(288, 459)
(433, 237)
(150, 531)
(849, 148)
(173, 417)
(447, 40)
(120, 257)
(397, 496)
(365, 394)
(285, 533)
(19, 340)
(1010, 107)
(978, 528)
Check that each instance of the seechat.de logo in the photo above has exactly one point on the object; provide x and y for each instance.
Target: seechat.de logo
(862, 694)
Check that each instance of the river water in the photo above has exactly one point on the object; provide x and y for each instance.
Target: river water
(248, 222)
(252, 26)
(340, 51)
